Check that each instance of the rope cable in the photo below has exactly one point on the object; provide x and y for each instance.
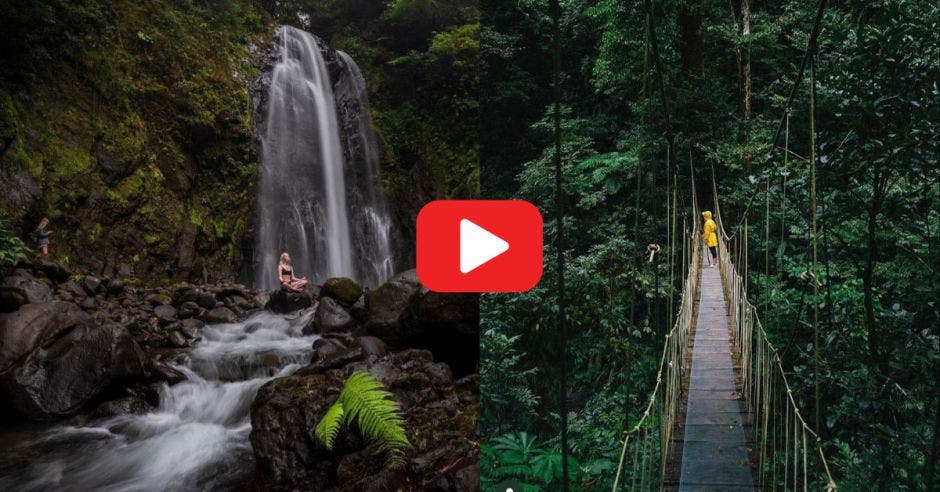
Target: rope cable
(560, 243)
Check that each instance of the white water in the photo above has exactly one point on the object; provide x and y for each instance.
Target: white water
(375, 231)
(196, 439)
(312, 203)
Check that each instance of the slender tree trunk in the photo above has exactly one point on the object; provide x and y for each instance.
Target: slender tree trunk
(875, 343)
(746, 58)
(691, 44)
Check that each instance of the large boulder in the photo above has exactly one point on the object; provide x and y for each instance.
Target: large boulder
(21, 289)
(219, 315)
(54, 360)
(56, 271)
(345, 290)
(404, 314)
(389, 307)
(451, 314)
(440, 421)
(330, 317)
(287, 302)
(165, 313)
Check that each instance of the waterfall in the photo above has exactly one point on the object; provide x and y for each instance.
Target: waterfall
(319, 197)
(196, 439)
(375, 229)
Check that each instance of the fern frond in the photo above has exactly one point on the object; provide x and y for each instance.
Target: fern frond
(365, 400)
(376, 413)
(329, 425)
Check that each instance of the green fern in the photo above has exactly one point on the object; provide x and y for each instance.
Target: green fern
(12, 248)
(366, 402)
(328, 428)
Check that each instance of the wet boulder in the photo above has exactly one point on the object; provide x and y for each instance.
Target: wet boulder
(440, 420)
(285, 302)
(345, 290)
(166, 314)
(91, 284)
(54, 270)
(115, 287)
(190, 309)
(176, 339)
(54, 359)
(205, 299)
(330, 317)
(219, 315)
(326, 348)
(128, 405)
(21, 289)
(389, 306)
(73, 289)
(159, 298)
(372, 345)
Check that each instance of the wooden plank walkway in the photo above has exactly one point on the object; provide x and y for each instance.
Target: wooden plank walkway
(714, 455)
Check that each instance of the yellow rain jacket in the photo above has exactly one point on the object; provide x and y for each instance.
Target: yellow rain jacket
(709, 234)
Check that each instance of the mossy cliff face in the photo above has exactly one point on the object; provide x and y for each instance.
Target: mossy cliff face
(128, 124)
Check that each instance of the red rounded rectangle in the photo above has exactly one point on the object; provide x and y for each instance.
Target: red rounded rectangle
(479, 246)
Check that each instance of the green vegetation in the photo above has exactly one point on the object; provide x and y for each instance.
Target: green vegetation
(118, 113)
(130, 122)
(365, 402)
(12, 248)
(878, 215)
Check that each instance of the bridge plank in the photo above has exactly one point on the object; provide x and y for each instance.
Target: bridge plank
(715, 455)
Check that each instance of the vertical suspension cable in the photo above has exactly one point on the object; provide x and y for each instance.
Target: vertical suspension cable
(767, 245)
(783, 189)
(812, 184)
(560, 241)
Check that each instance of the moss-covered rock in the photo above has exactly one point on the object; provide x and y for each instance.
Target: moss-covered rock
(343, 289)
(135, 126)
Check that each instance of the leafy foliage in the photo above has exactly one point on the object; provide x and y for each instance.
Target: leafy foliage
(328, 427)
(878, 213)
(521, 455)
(12, 248)
(365, 402)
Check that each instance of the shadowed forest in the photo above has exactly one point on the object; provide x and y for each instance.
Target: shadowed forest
(722, 74)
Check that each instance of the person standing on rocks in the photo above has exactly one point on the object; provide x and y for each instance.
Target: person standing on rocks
(42, 236)
(286, 273)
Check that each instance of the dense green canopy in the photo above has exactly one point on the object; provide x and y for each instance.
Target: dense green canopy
(878, 213)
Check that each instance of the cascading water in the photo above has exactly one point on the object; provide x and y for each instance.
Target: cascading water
(196, 439)
(365, 192)
(318, 198)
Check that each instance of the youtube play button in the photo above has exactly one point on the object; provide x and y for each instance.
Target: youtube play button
(479, 246)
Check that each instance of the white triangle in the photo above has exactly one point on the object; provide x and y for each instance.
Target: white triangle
(478, 246)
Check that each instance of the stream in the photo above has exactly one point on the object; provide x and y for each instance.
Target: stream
(196, 439)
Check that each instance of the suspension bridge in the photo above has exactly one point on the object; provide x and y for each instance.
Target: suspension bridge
(722, 415)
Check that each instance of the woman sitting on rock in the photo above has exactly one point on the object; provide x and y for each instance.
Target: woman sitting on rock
(42, 236)
(286, 273)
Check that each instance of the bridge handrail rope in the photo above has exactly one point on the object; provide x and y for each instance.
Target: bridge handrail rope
(760, 366)
(660, 414)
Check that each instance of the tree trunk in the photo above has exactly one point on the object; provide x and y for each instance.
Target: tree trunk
(691, 43)
(875, 348)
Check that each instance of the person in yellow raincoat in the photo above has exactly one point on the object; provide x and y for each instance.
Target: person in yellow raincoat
(710, 236)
